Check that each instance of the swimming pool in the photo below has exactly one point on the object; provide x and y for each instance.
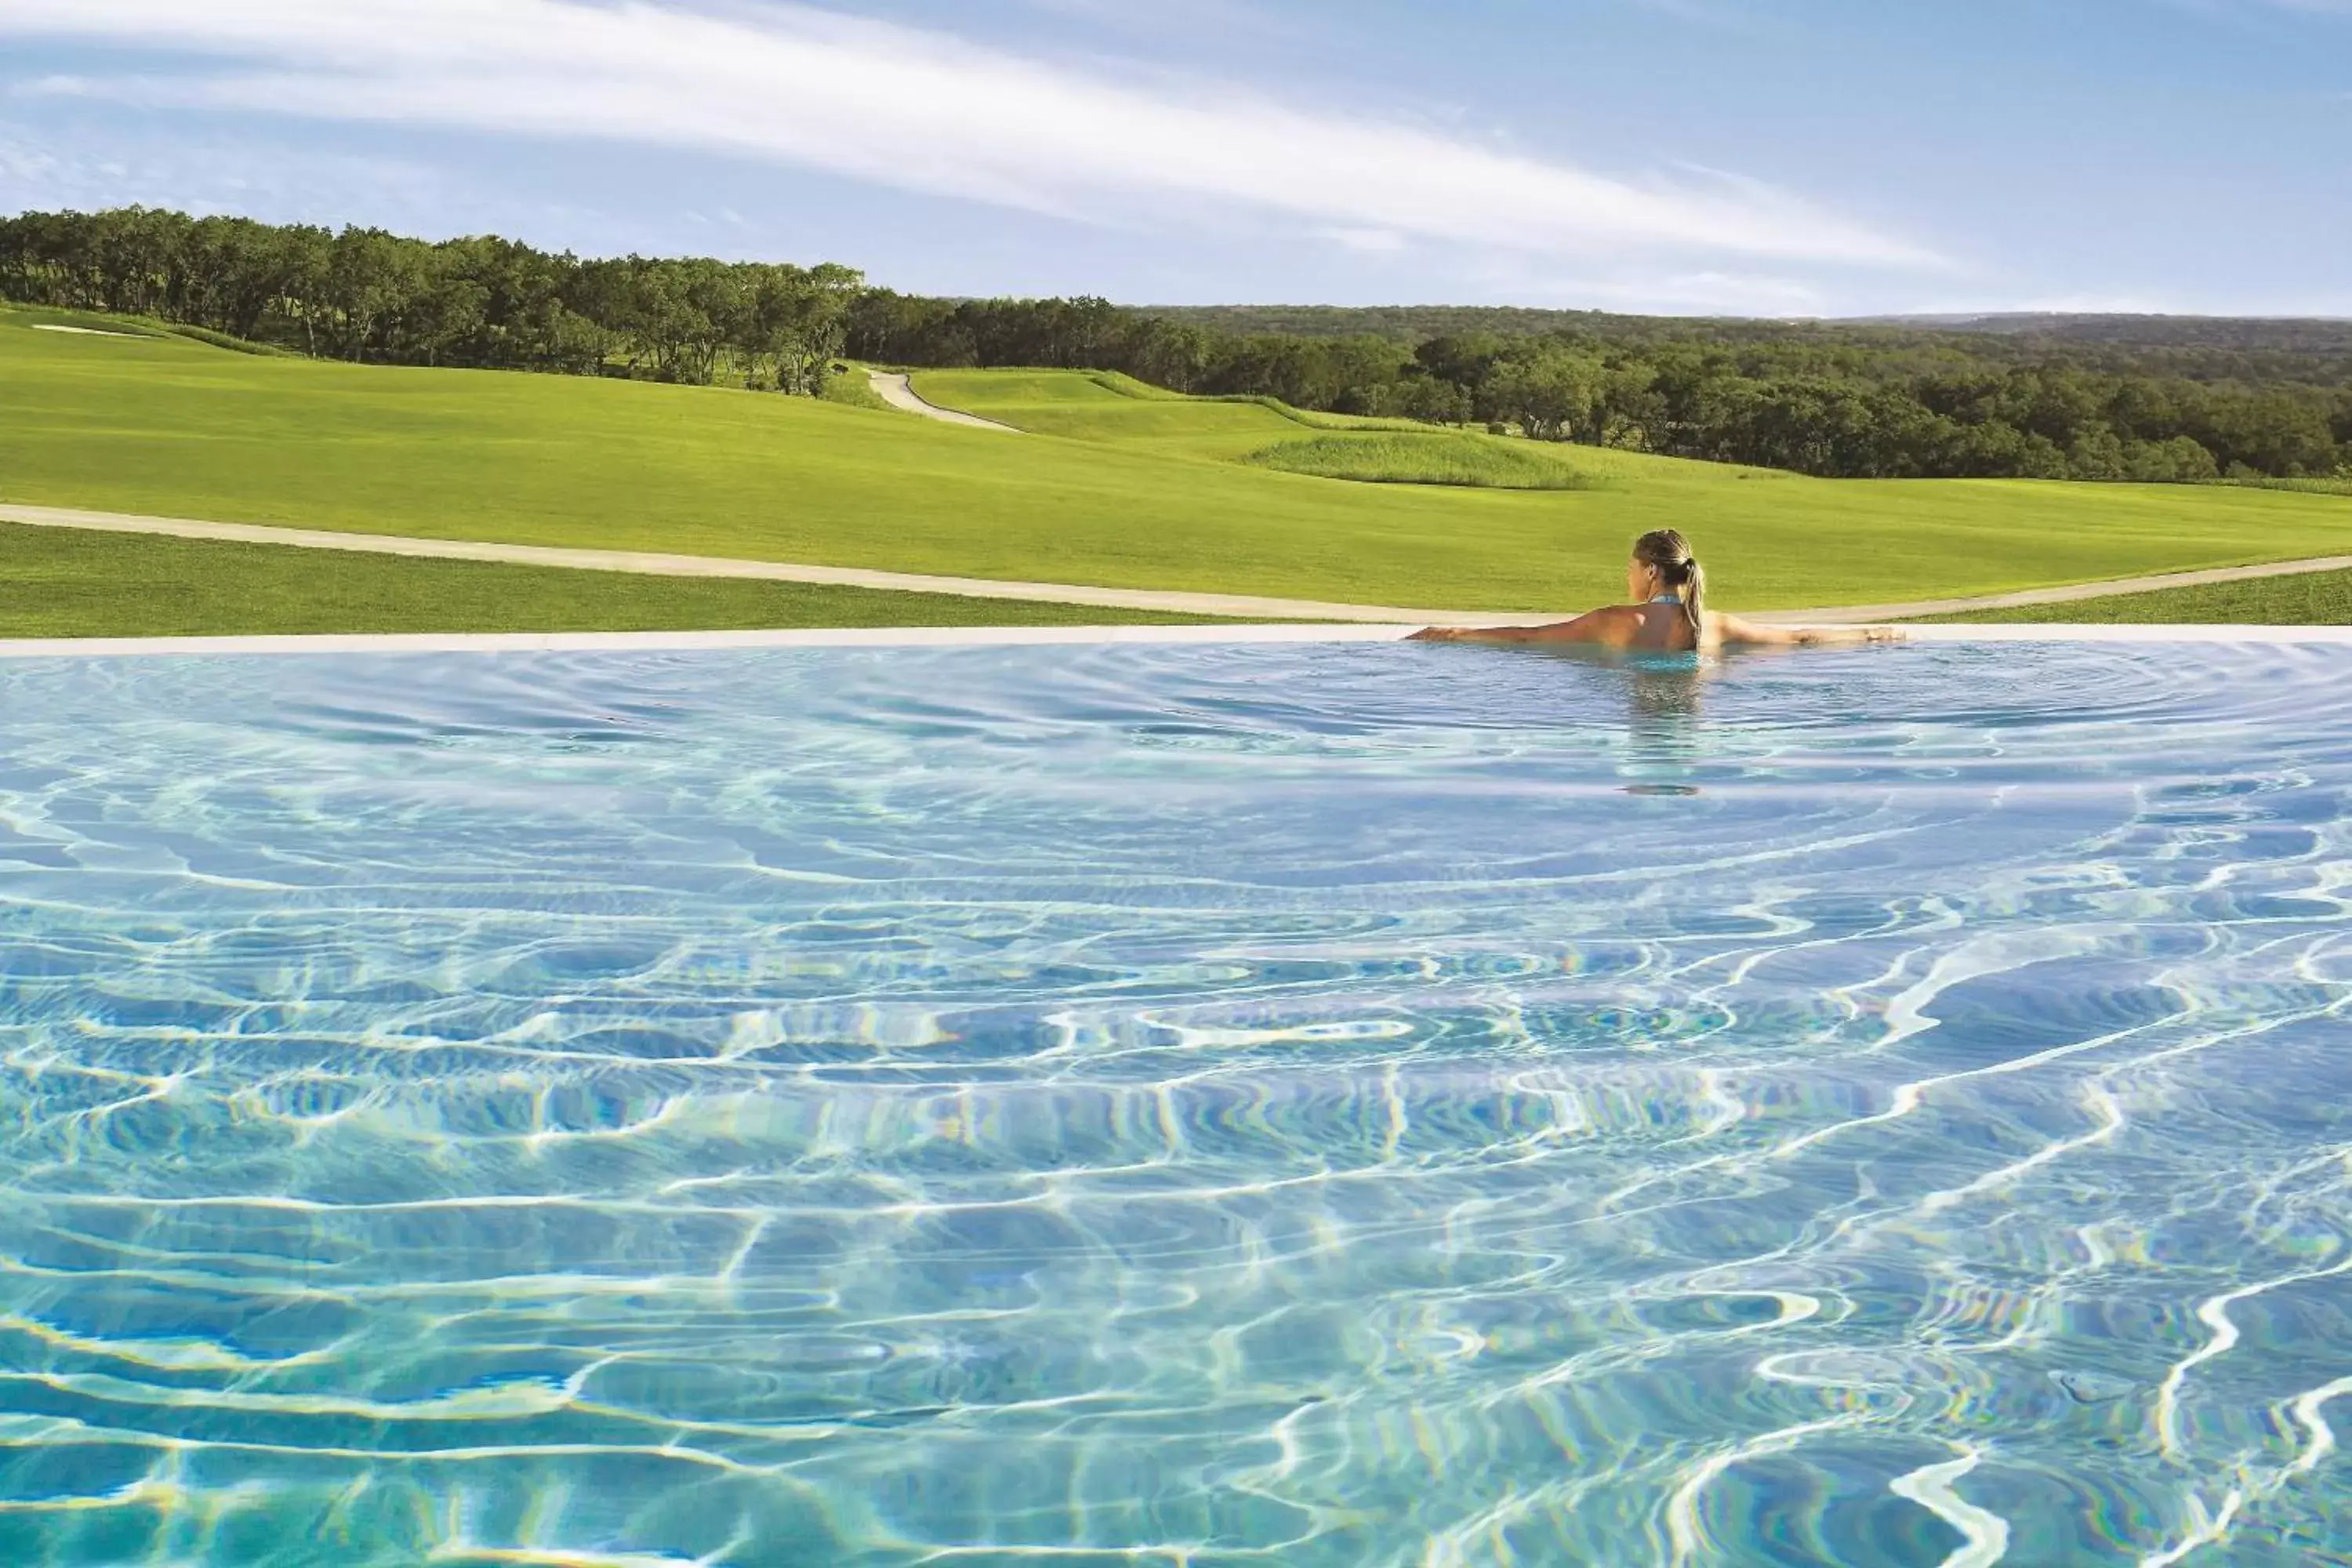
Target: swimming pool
(1304, 1106)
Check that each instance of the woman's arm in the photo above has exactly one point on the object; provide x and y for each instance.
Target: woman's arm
(1733, 631)
(1596, 626)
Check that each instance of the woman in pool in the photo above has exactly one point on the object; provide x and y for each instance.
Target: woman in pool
(1664, 583)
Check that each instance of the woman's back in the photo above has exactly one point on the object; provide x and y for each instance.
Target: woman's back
(1665, 579)
(1660, 626)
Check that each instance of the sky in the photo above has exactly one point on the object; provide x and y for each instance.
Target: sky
(1748, 157)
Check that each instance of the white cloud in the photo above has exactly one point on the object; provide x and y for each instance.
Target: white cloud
(1702, 11)
(927, 111)
(1367, 241)
(1166, 18)
(210, 176)
(1662, 291)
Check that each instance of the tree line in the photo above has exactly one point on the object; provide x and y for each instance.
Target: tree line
(2253, 347)
(1836, 399)
(366, 295)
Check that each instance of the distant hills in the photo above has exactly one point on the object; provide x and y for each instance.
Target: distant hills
(2329, 337)
(2272, 335)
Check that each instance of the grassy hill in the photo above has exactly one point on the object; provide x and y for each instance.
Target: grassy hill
(70, 583)
(1116, 487)
(1773, 540)
(2306, 599)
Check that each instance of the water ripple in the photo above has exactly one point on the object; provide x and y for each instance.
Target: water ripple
(1205, 1107)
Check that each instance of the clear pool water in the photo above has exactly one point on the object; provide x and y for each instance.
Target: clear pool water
(1307, 1106)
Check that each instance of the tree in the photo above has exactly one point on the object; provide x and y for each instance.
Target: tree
(797, 324)
(2179, 461)
(1435, 399)
(2097, 454)
(1550, 395)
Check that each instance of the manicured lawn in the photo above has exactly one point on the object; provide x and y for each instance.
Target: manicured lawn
(1448, 458)
(2307, 599)
(855, 390)
(1118, 490)
(66, 582)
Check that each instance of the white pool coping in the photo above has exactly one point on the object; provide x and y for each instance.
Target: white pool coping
(689, 641)
(2053, 631)
(1013, 636)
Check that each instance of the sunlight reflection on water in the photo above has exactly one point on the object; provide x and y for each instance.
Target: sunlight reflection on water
(1210, 1106)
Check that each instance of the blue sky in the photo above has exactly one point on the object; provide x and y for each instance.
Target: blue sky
(1803, 157)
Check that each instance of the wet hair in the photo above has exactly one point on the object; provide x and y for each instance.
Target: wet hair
(1670, 552)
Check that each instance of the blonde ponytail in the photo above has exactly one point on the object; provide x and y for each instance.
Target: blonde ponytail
(1678, 569)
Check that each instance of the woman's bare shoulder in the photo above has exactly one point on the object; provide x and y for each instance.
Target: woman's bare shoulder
(1610, 623)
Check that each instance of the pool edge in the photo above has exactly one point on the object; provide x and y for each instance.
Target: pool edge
(688, 641)
(1016, 636)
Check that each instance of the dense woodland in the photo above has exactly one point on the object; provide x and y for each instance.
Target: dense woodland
(2082, 397)
(1841, 400)
(366, 295)
(2296, 338)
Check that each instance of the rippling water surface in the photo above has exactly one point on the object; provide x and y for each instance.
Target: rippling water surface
(1304, 1106)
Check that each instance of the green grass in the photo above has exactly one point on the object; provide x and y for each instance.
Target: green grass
(59, 316)
(1112, 489)
(2306, 599)
(132, 326)
(1090, 409)
(66, 582)
(2341, 486)
(1451, 457)
(1126, 385)
(852, 390)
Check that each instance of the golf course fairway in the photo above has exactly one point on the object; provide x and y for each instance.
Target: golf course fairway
(1111, 486)
(87, 583)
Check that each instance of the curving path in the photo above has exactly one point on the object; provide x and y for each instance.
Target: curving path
(1240, 606)
(1243, 607)
(899, 392)
(2025, 598)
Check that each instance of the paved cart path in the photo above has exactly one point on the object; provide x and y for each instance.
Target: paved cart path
(1244, 606)
(899, 392)
(2024, 598)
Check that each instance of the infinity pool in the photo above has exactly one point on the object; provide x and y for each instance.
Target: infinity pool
(1305, 1106)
